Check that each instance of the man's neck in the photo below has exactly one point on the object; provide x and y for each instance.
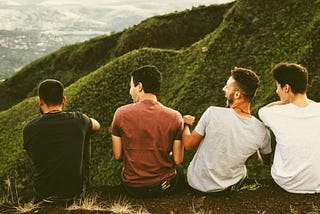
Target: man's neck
(52, 109)
(242, 108)
(300, 100)
(148, 96)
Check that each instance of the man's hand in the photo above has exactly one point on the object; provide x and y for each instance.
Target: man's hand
(188, 119)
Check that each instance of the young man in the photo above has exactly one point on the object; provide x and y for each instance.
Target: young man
(146, 135)
(295, 122)
(227, 137)
(55, 144)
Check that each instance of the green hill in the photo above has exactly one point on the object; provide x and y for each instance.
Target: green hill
(75, 61)
(253, 34)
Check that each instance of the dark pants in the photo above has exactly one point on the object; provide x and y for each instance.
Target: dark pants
(227, 191)
(86, 162)
(167, 187)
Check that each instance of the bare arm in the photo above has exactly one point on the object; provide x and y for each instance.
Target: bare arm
(190, 140)
(95, 124)
(117, 147)
(178, 151)
(264, 158)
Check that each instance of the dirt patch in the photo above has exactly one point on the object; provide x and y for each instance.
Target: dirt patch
(267, 198)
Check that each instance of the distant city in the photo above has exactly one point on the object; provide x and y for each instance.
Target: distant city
(30, 29)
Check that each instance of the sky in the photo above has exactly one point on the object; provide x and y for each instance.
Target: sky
(95, 2)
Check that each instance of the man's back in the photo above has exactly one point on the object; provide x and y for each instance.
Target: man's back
(55, 144)
(228, 142)
(296, 161)
(147, 130)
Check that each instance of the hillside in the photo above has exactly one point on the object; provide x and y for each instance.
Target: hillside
(253, 34)
(75, 61)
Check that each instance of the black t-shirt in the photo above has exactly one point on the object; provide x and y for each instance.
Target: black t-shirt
(55, 145)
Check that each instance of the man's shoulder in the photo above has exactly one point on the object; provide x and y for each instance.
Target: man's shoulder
(32, 122)
(266, 110)
(169, 109)
(257, 123)
(218, 110)
(74, 113)
(127, 107)
(315, 105)
(76, 116)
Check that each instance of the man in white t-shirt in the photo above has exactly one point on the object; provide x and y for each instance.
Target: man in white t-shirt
(227, 137)
(295, 122)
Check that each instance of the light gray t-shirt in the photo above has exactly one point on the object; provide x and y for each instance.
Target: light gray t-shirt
(229, 140)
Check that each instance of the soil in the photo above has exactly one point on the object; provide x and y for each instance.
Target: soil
(267, 198)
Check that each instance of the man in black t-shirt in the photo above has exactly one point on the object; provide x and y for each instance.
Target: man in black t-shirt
(55, 143)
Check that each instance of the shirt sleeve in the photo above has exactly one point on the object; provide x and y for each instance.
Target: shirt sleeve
(264, 114)
(266, 148)
(86, 121)
(180, 127)
(28, 133)
(25, 137)
(115, 125)
(203, 123)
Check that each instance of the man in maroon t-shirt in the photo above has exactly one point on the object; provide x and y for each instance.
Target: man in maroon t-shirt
(147, 135)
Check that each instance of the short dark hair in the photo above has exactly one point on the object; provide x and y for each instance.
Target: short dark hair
(247, 81)
(292, 74)
(51, 92)
(149, 76)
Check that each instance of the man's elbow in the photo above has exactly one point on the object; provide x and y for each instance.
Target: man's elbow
(178, 160)
(188, 147)
(95, 125)
(118, 157)
(187, 144)
(191, 141)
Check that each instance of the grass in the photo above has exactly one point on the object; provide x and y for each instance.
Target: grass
(197, 205)
(250, 187)
(125, 206)
(10, 202)
(315, 210)
(26, 207)
(87, 202)
(122, 205)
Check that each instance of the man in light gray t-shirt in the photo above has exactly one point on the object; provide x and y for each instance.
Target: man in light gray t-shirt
(227, 137)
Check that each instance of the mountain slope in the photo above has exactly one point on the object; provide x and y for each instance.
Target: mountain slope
(75, 61)
(253, 34)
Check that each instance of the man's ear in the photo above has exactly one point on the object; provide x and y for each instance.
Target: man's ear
(40, 101)
(287, 88)
(237, 95)
(140, 86)
(64, 100)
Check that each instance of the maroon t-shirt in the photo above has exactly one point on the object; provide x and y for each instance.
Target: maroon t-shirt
(147, 130)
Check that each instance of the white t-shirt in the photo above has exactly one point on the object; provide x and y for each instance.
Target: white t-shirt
(228, 142)
(296, 164)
